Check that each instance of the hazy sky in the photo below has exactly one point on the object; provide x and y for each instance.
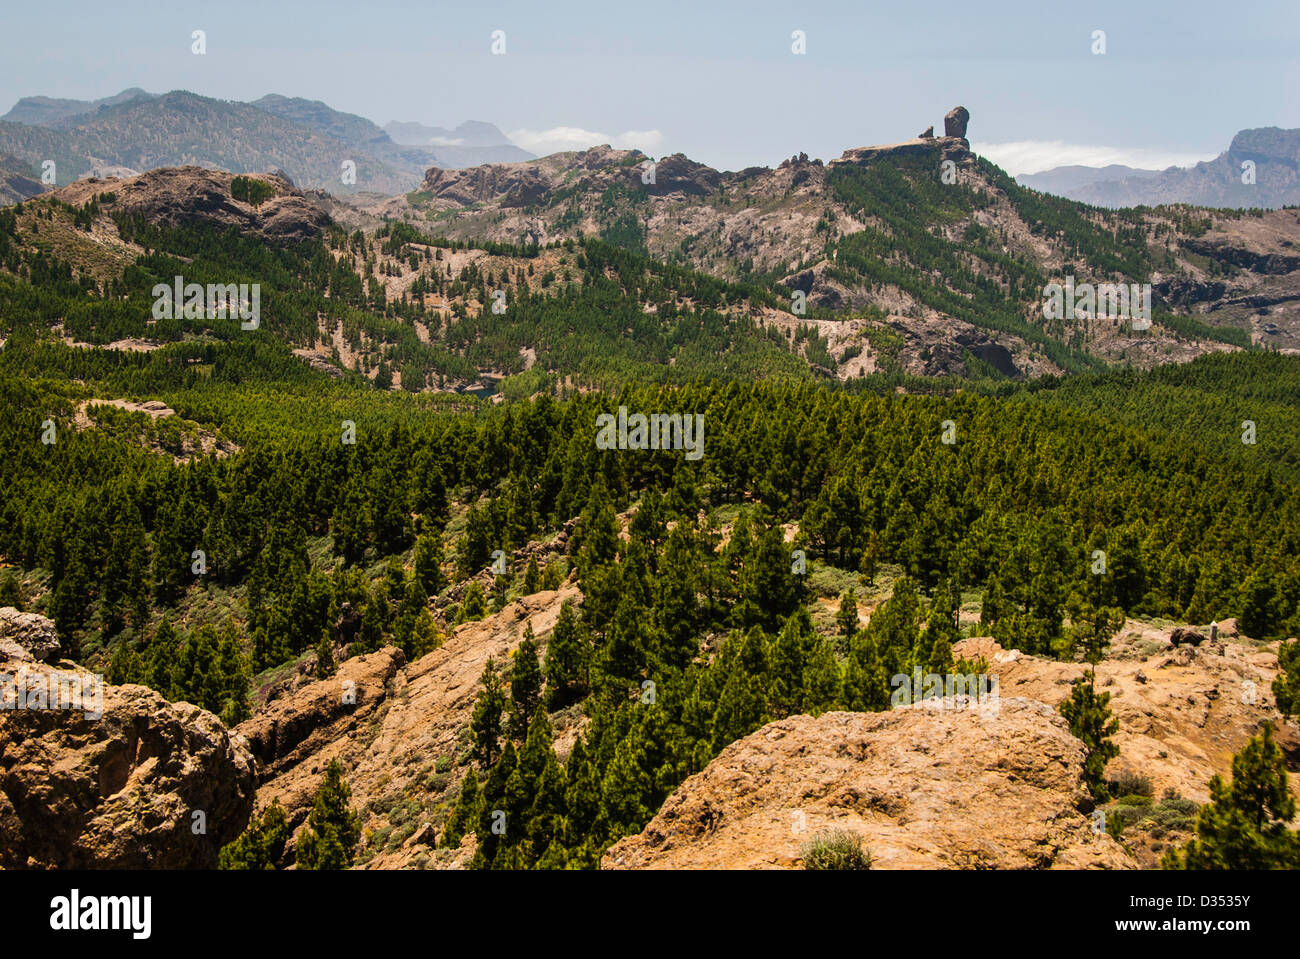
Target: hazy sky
(717, 81)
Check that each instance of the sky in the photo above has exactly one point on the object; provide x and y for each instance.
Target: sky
(718, 81)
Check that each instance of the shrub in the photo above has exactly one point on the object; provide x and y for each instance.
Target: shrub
(835, 849)
(1130, 783)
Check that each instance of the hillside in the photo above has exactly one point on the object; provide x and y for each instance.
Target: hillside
(878, 232)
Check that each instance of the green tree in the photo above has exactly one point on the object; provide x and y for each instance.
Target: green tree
(325, 665)
(485, 722)
(525, 685)
(261, 845)
(1245, 824)
(428, 564)
(1091, 721)
(333, 828)
(846, 620)
(1286, 687)
(464, 818)
(532, 577)
(568, 659)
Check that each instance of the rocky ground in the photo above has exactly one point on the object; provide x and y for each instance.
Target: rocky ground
(952, 787)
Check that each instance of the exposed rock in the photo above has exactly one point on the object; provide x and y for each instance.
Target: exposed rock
(929, 133)
(348, 625)
(406, 717)
(26, 637)
(955, 121)
(1182, 725)
(320, 712)
(926, 788)
(677, 174)
(179, 195)
(1186, 636)
(95, 776)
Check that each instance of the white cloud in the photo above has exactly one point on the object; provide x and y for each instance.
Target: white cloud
(560, 139)
(446, 141)
(1035, 156)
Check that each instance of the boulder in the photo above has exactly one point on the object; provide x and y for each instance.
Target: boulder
(1186, 636)
(26, 637)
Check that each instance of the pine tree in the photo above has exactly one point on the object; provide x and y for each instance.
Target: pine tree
(333, 828)
(1286, 687)
(1091, 721)
(485, 723)
(525, 685)
(261, 845)
(428, 564)
(494, 825)
(846, 620)
(532, 577)
(1245, 824)
(581, 797)
(568, 658)
(325, 665)
(464, 818)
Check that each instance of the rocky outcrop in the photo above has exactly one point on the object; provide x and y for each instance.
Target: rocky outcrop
(508, 184)
(320, 712)
(926, 788)
(96, 776)
(26, 637)
(1183, 710)
(955, 121)
(409, 723)
(677, 174)
(174, 196)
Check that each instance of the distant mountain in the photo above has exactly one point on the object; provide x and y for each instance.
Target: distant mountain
(52, 112)
(1062, 178)
(311, 141)
(1274, 152)
(471, 144)
(182, 128)
(472, 133)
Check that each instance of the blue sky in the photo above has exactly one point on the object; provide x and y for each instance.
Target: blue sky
(714, 80)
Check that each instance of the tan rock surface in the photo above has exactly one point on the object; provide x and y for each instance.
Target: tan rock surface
(926, 788)
(120, 790)
(406, 718)
(1183, 712)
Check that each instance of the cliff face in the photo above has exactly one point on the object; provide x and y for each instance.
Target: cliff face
(97, 776)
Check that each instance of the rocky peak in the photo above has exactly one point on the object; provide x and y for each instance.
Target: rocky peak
(954, 122)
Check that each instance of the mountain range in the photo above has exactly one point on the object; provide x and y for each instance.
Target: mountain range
(136, 131)
(1260, 169)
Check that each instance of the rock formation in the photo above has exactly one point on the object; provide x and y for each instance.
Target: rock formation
(929, 133)
(926, 788)
(954, 122)
(96, 776)
(25, 637)
(178, 195)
